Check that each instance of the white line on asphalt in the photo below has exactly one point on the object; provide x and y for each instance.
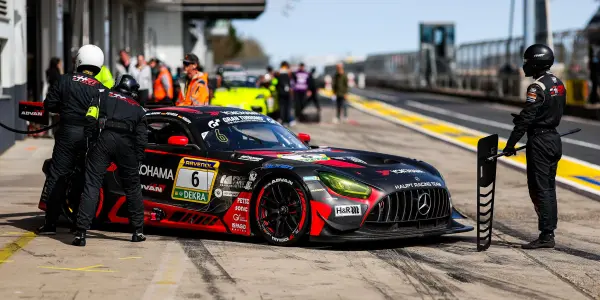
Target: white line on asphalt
(169, 273)
(568, 118)
(464, 117)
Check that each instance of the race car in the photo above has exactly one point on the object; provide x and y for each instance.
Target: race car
(244, 94)
(239, 172)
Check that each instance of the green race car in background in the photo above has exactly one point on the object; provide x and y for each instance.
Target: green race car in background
(246, 95)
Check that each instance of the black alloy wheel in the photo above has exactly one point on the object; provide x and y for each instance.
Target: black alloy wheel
(282, 212)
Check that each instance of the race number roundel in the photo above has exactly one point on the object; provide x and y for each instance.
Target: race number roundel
(195, 180)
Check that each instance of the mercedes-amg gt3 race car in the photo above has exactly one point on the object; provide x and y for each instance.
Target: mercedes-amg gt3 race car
(235, 171)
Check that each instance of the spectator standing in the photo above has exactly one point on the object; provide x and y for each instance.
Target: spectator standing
(162, 82)
(313, 93)
(194, 91)
(300, 78)
(143, 75)
(285, 93)
(340, 90)
(55, 69)
(124, 64)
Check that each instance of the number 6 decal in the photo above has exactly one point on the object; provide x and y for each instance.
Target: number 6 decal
(195, 179)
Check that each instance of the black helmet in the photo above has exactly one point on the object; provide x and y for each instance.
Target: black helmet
(128, 85)
(537, 58)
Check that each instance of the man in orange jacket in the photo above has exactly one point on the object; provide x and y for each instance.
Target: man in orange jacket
(195, 92)
(163, 82)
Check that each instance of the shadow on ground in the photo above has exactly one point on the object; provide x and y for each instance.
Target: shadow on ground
(32, 220)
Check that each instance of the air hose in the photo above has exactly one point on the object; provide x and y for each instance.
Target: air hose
(29, 132)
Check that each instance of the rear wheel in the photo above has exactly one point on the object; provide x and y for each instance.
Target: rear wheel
(282, 212)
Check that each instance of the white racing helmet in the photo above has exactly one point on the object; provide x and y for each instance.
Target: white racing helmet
(89, 55)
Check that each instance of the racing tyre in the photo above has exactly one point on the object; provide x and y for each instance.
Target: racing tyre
(282, 212)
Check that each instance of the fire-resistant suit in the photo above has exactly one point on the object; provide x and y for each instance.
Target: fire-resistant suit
(546, 100)
(123, 139)
(70, 97)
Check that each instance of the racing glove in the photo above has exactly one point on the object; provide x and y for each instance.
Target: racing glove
(516, 118)
(509, 150)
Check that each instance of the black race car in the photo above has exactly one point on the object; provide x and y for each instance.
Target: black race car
(234, 171)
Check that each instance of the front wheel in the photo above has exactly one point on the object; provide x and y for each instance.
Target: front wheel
(282, 212)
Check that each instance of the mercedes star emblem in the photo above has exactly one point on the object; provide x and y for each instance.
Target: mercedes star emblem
(424, 203)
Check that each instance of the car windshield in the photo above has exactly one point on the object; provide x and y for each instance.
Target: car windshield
(239, 83)
(233, 69)
(248, 136)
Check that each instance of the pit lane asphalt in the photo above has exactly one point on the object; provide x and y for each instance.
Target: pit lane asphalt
(490, 118)
(175, 265)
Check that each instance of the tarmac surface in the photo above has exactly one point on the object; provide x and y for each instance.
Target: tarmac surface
(490, 117)
(195, 265)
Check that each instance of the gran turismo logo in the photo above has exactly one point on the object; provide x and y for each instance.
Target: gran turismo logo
(213, 123)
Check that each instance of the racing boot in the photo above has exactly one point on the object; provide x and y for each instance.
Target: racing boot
(79, 239)
(545, 240)
(46, 229)
(138, 236)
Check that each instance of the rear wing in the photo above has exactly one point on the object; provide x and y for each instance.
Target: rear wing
(33, 112)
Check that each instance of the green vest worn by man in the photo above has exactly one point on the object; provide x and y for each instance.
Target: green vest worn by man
(105, 77)
(273, 87)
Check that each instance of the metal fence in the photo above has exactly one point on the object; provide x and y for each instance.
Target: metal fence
(490, 69)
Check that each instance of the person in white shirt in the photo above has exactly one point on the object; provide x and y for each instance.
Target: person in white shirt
(143, 75)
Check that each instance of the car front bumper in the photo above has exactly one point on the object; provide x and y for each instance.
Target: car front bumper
(364, 234)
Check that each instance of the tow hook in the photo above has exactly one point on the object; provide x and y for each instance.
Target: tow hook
(157, 214)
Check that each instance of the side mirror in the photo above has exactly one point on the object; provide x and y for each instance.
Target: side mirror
(304, 137)
(178, 140)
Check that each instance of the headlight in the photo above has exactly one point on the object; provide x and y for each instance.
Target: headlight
(261, 96)
(345, 186)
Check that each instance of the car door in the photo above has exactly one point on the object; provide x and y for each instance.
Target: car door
(172, 172)
(235, 176)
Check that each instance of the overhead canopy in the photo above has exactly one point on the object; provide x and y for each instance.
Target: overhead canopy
(213, 9)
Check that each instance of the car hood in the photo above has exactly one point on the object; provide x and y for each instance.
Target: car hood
(370, 167)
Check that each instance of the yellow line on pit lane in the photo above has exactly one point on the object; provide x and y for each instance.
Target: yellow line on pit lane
(84, 269)
(130, 257)
(10, 249)
(580, 174)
